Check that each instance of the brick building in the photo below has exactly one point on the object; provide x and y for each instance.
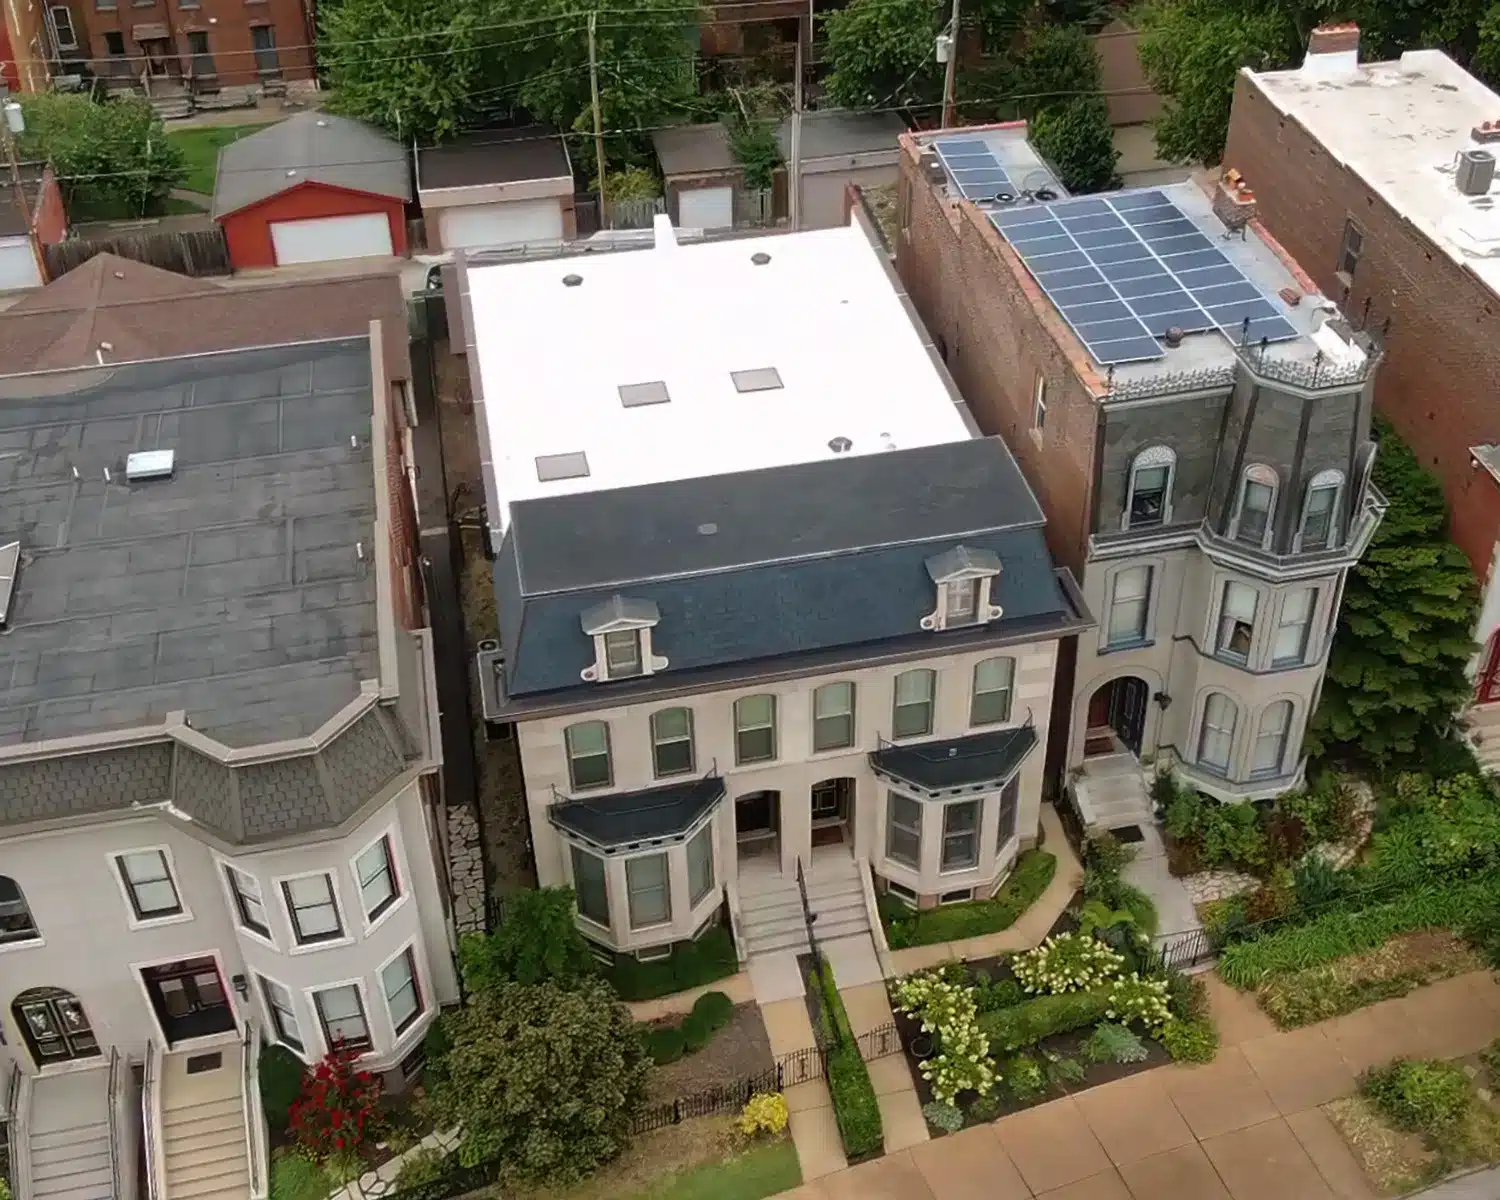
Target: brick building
(1194, 418)
(1378, 177)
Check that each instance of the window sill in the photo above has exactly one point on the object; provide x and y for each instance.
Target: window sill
(597, 927)
(834, 751)
(385, 914)
(647, 930)
(264, 940)
(1232, 660)
(669, 775)
(756, 762)
(314, 947)
(28, 944)
(1290, 664)
(179, 918)
(1135, 644)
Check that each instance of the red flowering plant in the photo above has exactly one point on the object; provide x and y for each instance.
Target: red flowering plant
(338, 1108)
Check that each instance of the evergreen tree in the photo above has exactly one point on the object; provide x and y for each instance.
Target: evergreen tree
(1397, 674)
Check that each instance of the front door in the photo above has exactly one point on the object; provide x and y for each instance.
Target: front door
(160, 60)
(54, 1025)
(1127, 711)
(756, 820)
(189, 999)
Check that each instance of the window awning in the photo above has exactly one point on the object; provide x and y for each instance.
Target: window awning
(148, 32)
(627, 820)
(968, 764)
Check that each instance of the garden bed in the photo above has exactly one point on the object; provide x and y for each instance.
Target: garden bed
(738, 1051)
(691, 964)
(906, 927)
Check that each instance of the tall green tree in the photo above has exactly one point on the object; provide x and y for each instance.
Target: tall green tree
(1397, 674)
(112, 159)
(883, 52)
(1078, 140)
(538, 940)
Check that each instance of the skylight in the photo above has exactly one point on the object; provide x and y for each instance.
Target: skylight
(639, 395)
(552, 467)
(760, 379)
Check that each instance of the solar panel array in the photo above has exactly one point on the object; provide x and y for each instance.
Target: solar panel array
(975, 171)
(1124, 269)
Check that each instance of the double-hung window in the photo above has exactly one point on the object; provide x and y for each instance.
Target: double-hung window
(648, 884)
(590, 888)
(961, 835)
(588, 755)
(833, 717)
(249, 905)
(912, 711)
(341, 1013)
(1237, 622)
(754, 729)
(672, 742)
(1130, 601)
(313, 907)
(700, 864)
(283, 1012)
(903, 830)
(1294, 627)
(403, 990)
(962, 603)
(1271, 738)
(622, 653)
(1257, 503)
(1150, 500)
(378, 885)
(1320, 512)
(149, 884)
(990, 703)
(1216, 740)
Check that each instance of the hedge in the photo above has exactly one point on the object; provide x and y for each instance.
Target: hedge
(1029, 1022)
(692, 964)
(953, 922)
(855, 1107)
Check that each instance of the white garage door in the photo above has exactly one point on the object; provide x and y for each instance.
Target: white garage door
(705, 208)
(17, 265)
(321, 239)
(513, 223)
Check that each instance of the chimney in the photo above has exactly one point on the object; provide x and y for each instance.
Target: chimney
(1234, 201)
(1332, 50)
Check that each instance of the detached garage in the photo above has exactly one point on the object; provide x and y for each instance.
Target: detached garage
(496, 189)
(314, 188)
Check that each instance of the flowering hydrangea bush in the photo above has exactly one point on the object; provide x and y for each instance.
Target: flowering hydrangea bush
(1068, 962)
(933, 1000)
(1135, 999)
(338, 1107)
(946, 1008)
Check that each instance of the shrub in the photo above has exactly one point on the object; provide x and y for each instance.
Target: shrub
(1077, 138)
(947, 1009)
(1002, 993)
(954, 922)
(1422, 1095)
(1317, 883)
(666, 1044)
(1490, 1056)
(715, 1009)
(1194, 1040)
(337, 1107)
(855, 1108)
(435, 1048)
(281, 1074)
(1067, 962)
(692, 964)
(538, 940)
(1187, 995)
(1062, 1070)
(344, 1165)
(297, 1177)
(1286, 837)
(1105, 856)
(765, 1112)
(1028, 1023)
(1024, 1077)
(695, 1033)
(985, 1108)
(1115, 1043)
(421, 1166)
(943, 1116)
(1141, 907)
(1274, 898)
(1131, 998)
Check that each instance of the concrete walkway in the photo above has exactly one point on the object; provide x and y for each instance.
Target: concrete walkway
(1175, 914)
(1026, 932)
(1244, 1127)
(814, 1130)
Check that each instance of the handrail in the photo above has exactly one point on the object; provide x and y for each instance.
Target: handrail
(113, 1118)
(149, 1132)
(20, 1134)
(809, 917)
(255, 1125)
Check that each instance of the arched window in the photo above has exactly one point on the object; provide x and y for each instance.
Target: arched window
(1149, 499)
(1216, 739)
(1271, 739)
(1320, 512)
(16, 921)
(1257, 505)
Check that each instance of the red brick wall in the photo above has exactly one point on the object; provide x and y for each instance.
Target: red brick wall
(227, 23)
(50, 218)
(982, 308)
(1437, 384)
(8, 72)
(248, 231)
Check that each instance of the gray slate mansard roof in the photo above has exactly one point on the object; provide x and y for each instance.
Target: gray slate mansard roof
(770, 564)
(621, 820)
(977, 759)
(231, 590)
(315, 147)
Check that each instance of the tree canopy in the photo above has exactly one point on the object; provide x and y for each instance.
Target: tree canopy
(882, 53)
(1397, 673)
(538, 941)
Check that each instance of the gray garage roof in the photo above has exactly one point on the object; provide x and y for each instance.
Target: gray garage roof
(694, 150)
(235, 589)
(834, 133)
(312, 147)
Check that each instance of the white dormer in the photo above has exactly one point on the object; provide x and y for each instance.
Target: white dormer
(621, 629)
(964, 579)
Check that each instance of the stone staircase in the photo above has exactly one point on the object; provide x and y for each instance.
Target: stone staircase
(1482, 723)
(170, 99)
(1112, 791)
(203, 1129)
(68, 1140)
(771, 918)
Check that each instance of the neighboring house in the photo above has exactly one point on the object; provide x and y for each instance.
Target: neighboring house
(22, 264)
(837, 149)
(313, 188)
(218, 739)
(1380, 179)
(1195, 419)
(768, 602)
(24, 49)
(700, 175)
(497, 188)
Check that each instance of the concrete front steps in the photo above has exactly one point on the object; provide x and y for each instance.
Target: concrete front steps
(771, 918)
(203, 1130)
(1112, 792)
(68, 1141)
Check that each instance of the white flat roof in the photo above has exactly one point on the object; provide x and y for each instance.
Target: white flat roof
(1399, 126)
(822, 314)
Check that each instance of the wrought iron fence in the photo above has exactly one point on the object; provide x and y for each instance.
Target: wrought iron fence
(1182, 951)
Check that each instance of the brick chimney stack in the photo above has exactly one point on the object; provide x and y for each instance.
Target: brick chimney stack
(1333, 44)
(1234, 200)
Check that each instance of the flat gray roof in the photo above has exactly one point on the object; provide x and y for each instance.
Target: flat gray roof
(833, 133)
(233, 589)
(694, 150)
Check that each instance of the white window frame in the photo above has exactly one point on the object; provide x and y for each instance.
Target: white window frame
(625, 669)
(666, 856)
(36, 938)
(849, 714)
(1009, 691)
(977, 804)
(419, 985)
(609, 908)
(1257, 473)
(955, 614)
(704, 831)
(1223, 630)
(1306, 625)
(740, 760)
(1039, 403)
(1012, 792)
(263, 984)
(1284, 739)
(930, 703)
(1143, 636)
(1229, 734)
(1150, 459)
(333, 985)
(52, 11)
(298, 946)
(398, 879)
(609, 758)
(891, 796)
(1323, 481)
(132, 919)
(657, 742)
(228, 872)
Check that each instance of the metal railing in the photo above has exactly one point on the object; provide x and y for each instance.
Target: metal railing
(808, 917)
(150, 1130)
(255, 1122)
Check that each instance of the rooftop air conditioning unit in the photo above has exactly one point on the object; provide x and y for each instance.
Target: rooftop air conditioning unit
(1476, 171)
(149, 464)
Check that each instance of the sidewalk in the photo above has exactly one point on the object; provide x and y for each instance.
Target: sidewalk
(1245, 1127)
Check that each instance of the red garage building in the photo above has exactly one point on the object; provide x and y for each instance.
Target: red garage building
(312, 188)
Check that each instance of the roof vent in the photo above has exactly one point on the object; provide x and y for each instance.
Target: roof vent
(10, 566)
(290, 171)
(552, 467)
(572, 280)
(759, 379)
(1487, 131)
(708, 528)
(1476, 171)
(150, 464)
(1173, 336)
(840, 445)
(760, 258)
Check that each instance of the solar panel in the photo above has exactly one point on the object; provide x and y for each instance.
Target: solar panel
(974, 170)
(1124, 269)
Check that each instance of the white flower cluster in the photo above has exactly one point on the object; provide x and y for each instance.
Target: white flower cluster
(1135, 999)
(1068, 962)
(947, 1009)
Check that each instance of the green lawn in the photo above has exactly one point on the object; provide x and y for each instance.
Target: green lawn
(763, 1171)
(201, 146)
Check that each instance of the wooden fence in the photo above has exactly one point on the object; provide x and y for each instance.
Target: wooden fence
(187, 252)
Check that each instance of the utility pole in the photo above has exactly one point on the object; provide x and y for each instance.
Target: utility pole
(15, 123)
(952, 68)
(598, 124)
(794, 172)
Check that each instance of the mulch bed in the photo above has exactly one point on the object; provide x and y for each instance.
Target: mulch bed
(739, 1051)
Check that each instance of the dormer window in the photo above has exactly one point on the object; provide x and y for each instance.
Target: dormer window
(1319, 512)
(964, 579)
(1149, 501)
(621, 630)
